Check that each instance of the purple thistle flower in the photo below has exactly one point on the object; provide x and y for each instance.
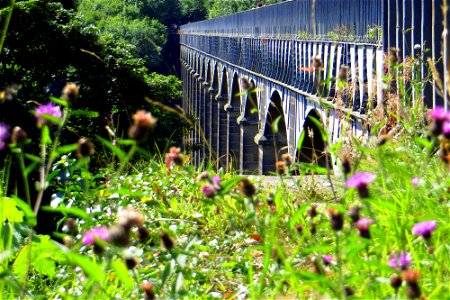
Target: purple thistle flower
(4, 134)
(363, 223)
(446, 129)
(327, 259)
(47, 109)
(91, 235)
(400, 261)
(360, 182)
(438, 114)
(216, 180)
(424, 228)
(208, 190)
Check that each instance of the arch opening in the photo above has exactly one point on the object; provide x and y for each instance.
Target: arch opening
(249, 130)
(275, 144)
(222, 135)
(233, 131)
(312, 148)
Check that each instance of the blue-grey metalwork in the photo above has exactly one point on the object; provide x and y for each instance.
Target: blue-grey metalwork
(259, 81)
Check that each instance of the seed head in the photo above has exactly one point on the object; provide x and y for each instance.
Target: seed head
(143, 234)
(130, 217)
(167, 241)
(287, 158)
(85, 148)
(147, 287)
(18, 136)
(336, 219)
(70, 92)
(353, 213)
(119, 235)
(130, 262)
(281, 167)
(312, 211)
(247, 188)
(396, 281)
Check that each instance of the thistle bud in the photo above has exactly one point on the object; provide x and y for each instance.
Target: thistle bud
(67, 241)
(70, 92)
(346, 164)
(130, 262)
(147, 287)
(287, 158)
(353, 213)
(71, 226)
(119, 236)
(167, 241)
(142, 123)
(18, 136)
(85, 148)
(247, 188)
(396, 282)
(281, 167)
(412, 287)
(143, 234)
(312, 212)
(336, 219)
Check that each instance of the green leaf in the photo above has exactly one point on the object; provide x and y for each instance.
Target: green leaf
(5, 255)
(122, 273)
(424, 143)
(51, 118)
(89, 266)
(84, 113)
(75, 211)
(126, 142)
(9, 211)
(64, 149)
(58, 101)
(116, 150)
(26, 209)
(275, 124)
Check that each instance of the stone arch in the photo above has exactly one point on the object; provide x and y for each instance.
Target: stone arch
(312, 148)
(274, 143)
(249, 129)
(233, 131)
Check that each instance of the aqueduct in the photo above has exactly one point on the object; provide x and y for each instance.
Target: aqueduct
(251, 83)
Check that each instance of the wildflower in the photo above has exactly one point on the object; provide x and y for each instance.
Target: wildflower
(119, 235)
(396, 282)
(90, 236)
(143, 234)
(142, 123)
(353, 213)
(327, 259)
(85, 148)
(167, 241)
(412, 287)
(174, 155)
(363, 226)
(203, 176)
(147, 287)
(130, 217)
(247, 188)
(4, 134)
(438, 115)
(216, 181)
(70, 92)
(130, 262)
(70, 226)
(281, 167)
(424, 228)
(312, 211)
(360, 182)
(287, 159)
(400, 261)
(336, 219)
(446, 129)
(18, 136)
(346, 164)
(48, 109)
(208, 190)
(416, 181)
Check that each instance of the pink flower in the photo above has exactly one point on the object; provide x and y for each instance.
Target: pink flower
(216, 180)
(360, 182)
(424, 228)
(208, 190)
(91, 235)
(438, 114)
(327, 259)
(47, 109)
(4, 134)
(363, 223)
(400, 261)
(416, 181)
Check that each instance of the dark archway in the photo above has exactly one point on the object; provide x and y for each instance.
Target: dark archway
(249, 129)
(275, 143)
(214, 113)
(312, 148)
(233, 110)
